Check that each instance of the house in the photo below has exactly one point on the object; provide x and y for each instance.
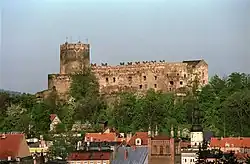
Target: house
(90, 157)
(54, 121)
(189, 157)
(139, 139)
(13, 147)
(235, 144)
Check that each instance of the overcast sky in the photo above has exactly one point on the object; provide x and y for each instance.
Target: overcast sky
(121, 30)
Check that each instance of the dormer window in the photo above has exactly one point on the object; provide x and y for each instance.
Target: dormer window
(138, 141)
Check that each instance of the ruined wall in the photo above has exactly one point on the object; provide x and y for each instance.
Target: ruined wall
(143, 76)
(61, 83)
(74, 57)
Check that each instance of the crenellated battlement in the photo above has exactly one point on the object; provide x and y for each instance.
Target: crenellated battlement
(74, 46)
(137, 63)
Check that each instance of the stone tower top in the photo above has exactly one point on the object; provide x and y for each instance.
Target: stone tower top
(74, 57)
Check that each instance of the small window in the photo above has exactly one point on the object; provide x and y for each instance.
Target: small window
(146, 86)
(181, 82)
(155, 85)
(145, 78)
(104, 162)
(185, 75)
(167, 75)
(203, 81)
(185, 160)
(85, 162)
(98, 162)
(170, 89)
(107, 79)
(114, 79)
(78, 162)
(155, 77)
(140, 86)
(178, 74)
(171, 82)
(91, 162)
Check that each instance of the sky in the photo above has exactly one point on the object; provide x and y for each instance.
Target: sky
(217, 31)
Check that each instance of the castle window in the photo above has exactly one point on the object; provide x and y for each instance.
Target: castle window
(178, 74)
(171, 82)
(140, 86)
(155, 77)
(155, 85)
(185, 75)
(161, 150)
(107, 79)
(145, 78)
(181, 82)
(114, 79)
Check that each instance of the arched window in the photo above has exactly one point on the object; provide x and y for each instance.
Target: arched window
(161, 150)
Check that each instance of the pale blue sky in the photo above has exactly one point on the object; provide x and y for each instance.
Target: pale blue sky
(121, 30)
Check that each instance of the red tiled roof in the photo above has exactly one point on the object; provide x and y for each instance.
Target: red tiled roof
(52, 117)
(101, 137)
(161, 138)
(9, 146)
(142, 135)
(243, 142)
(89, 156)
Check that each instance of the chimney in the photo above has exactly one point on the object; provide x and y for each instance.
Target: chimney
(179, 132)
(149, 131)
(172, 131)
(125, 154)
(156, 130)
(3, 136)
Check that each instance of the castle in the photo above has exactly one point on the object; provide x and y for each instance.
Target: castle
(130, 76)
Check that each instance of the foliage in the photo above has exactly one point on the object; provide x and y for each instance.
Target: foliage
(224, 104)
(63, 144)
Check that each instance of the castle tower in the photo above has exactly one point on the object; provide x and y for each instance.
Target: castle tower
(74, 57)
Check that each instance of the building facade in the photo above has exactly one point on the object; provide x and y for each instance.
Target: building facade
(130, 76)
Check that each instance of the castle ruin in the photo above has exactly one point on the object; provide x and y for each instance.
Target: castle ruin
(130, 76)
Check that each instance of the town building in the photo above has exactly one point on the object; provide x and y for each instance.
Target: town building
(130, 76)
(90, 157)
(13, 147)
(54, 122)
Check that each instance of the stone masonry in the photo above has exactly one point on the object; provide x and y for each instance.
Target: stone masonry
(130, 76)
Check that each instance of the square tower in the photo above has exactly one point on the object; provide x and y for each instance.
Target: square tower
(74, 57)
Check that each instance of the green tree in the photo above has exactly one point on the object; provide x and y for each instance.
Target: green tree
(63, 145)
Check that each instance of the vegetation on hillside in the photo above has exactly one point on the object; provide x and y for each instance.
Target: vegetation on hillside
(224, 102)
